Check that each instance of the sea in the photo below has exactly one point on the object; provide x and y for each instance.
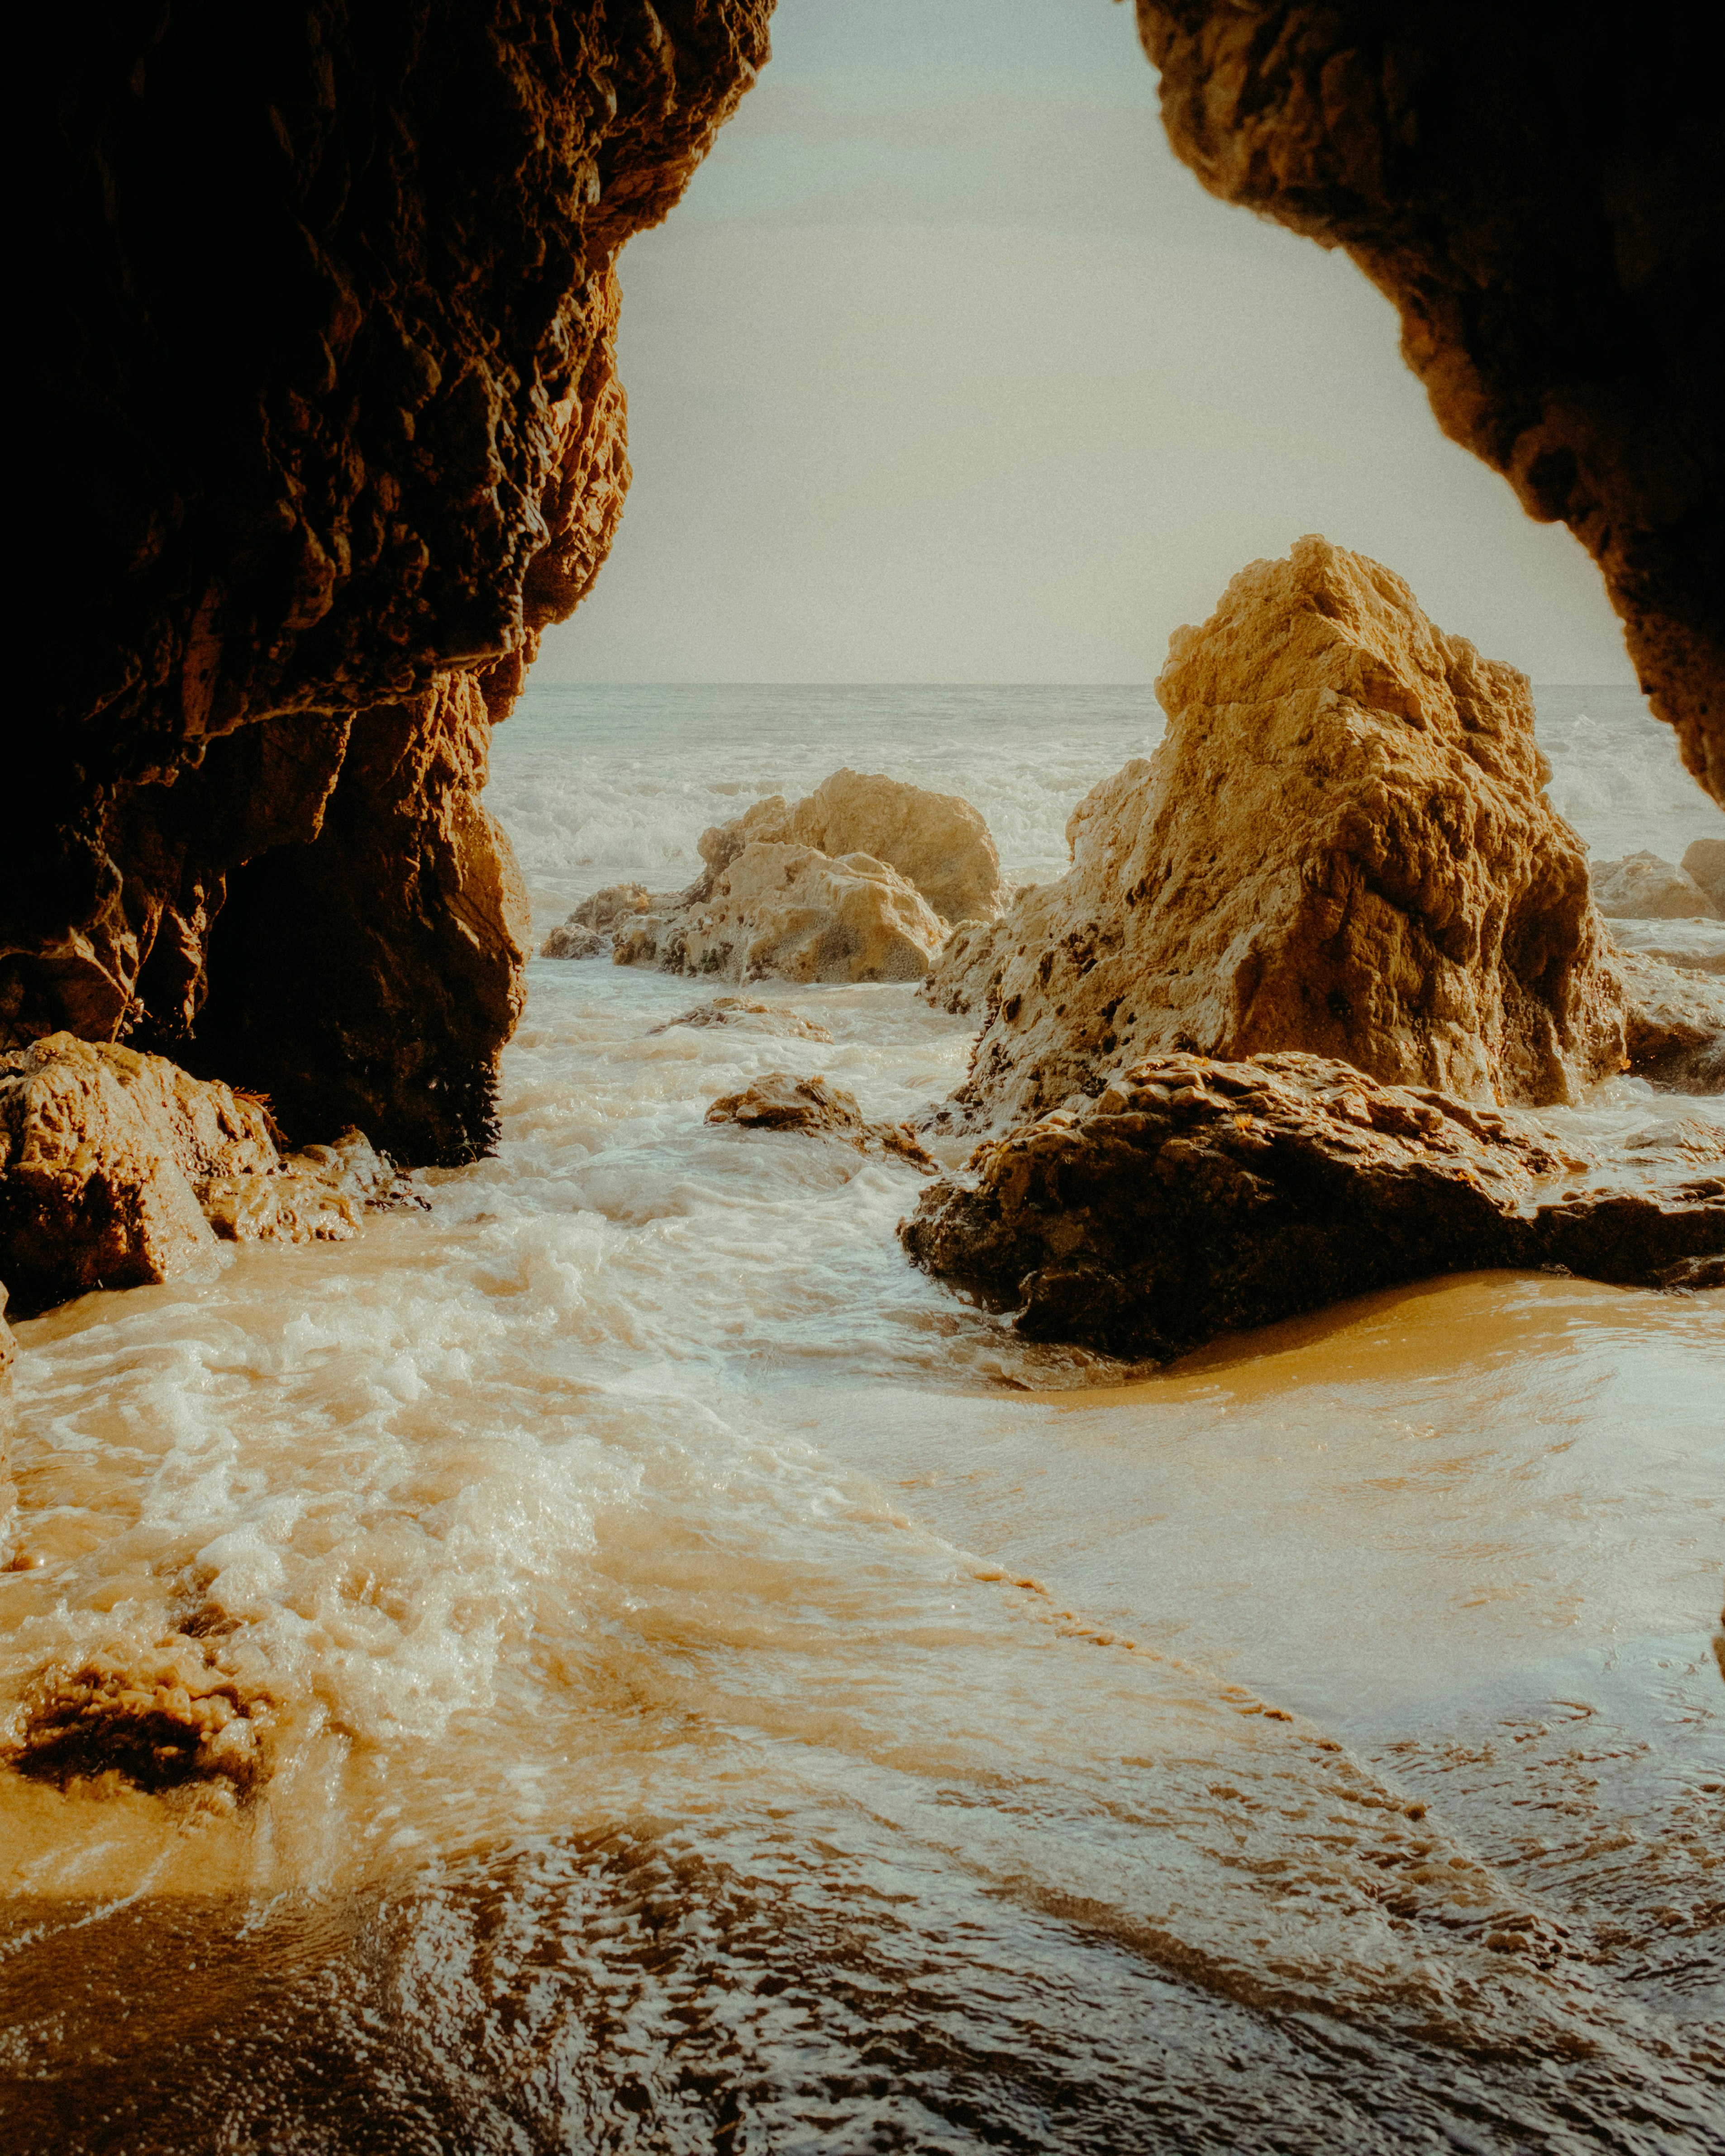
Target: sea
(728, 1694)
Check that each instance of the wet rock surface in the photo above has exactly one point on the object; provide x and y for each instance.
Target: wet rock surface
(570, 940)
(1676, 1023)
(1194, 1198)
(329, 431)
(1341, 846)
(1543, 210)
(179, 1718)
(814, 1107)
(118, 1169)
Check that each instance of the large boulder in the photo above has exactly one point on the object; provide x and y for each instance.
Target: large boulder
(118, 1169)
(1342, 845)
(791, 911)
(1194, 1198)
(1644, 887)
(937, 842)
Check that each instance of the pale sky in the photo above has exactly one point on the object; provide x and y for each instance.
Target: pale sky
(945, 370)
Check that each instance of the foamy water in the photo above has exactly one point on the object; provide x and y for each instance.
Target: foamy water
(729, 1694)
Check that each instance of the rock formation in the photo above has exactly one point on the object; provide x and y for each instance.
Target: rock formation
(1675, 1022)
(937, 842)
(1643, 887)
(1194, 1198)
(790, 911)
(181, 1719)
(117, 1170)
(814, 1107)
(1705, 862)
(750, 1017)
(1342, 845)
(1542, 199)
(325, 429)
(570, 940)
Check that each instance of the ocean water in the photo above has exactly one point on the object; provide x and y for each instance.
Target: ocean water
(726, 1694)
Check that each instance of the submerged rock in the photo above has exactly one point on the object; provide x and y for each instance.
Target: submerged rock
(937, 842)
(791, 911)
(814, 1107)
(752, 1018)
(1197, 1197)
(1643, 887)
(1341, 846)
(118, 1169)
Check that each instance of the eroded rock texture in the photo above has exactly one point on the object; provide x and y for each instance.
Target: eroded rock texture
(1194, 1198)
(118, 1169)
(1541, 192)
(326, 423)
(815, 1108)
(1342, 845)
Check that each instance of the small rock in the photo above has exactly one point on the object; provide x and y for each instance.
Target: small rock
(752, 1018)
(1643, 887)
(778, 1101)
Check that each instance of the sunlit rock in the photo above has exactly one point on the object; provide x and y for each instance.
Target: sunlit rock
(1676, 1023)
(795, 913)
(1197, 1197)
(937, 842)
(1643, 887)
(1342, 845)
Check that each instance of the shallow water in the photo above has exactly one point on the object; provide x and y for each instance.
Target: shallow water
(729, 1694)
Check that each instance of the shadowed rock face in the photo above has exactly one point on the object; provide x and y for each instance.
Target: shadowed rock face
(324, 415)
(1194, 1198)
(1541, 193)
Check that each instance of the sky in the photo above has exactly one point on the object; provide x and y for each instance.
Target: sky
(945, 370)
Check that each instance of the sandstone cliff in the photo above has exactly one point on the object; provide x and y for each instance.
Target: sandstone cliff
(1193, 1198)
(326, 424)
(1542, 194)
(1341, 846)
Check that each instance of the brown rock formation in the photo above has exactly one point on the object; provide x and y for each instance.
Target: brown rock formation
(182, 1718)
(570, 940)
(118, 1169)
(1194, 1198)
(1540, 194)
(814, 1107)
(937, 842)
(1342, 845)
(789, 910)
(327, 424)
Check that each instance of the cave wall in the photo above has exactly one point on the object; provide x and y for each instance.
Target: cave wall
(1540, 189)
(324, 430)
